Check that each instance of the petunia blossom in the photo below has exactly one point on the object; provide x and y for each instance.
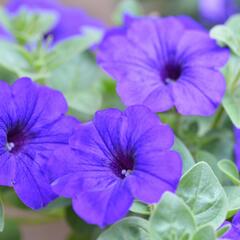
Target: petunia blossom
(234, 232)
(217, 11)
(70, 19)
(115, 158)
(165, 63)
(32, 125)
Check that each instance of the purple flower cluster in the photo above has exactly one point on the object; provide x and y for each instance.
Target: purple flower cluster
(115, 158)
(164, 63)
(70, 19)
(119, 156)
(102, 165)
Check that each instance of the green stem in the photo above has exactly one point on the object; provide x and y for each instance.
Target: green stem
(177, 123)
(218, 118)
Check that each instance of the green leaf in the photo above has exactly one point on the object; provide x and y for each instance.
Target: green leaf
(228, 34)
(205, 233)
(11, 231)
(231, 72)
(233, 196)
(187, 158)
(68, 49)
(4, 19)
(230, 170)
(12, 199)
(232, 96)
(1, 217)
(210, 159)
(204, 124)
(220, 147)
(172, 219)
(29, 26)
(140, 208)
(13, 59)
(202, 192)
(79, 81)
(224, 229)
(131, 7)
(58, 203)
(231, 105)
(225, 36)
(131, 228)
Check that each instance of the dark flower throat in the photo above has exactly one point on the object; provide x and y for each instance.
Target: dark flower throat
(122, 165)
(171, 72)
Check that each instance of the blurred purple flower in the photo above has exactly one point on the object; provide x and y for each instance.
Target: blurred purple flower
(217, 11)
(234, 232)
(32, 125)
(70, 19)
(114, 159)
(165, 62)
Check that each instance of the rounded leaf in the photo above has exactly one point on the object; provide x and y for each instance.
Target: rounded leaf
(187, 157)
(202, 192)
(130, 228)
(205, 233)
(172, 219)
(230, 170)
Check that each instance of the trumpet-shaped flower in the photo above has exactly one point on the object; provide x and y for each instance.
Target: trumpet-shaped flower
(164, 63)
(115, 158)
(32, 125)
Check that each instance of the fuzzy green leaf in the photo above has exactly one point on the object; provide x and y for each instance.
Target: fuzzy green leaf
(203, 193)
(204, 233)
(172, 219)
(230, 170)
(187, 157)
(130, 228)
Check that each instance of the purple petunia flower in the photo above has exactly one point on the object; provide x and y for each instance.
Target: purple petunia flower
(217, 11)
(234, 232)
(165, 62)
(32, 125)
(237, 147)
(70, 19)
(115, 158)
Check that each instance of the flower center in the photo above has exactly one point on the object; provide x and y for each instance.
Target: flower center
(122, 165)
(125, 172)
(171, 72)
(15, 140)
(10, 146)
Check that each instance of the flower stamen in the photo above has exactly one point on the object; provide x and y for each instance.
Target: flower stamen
(10, 146)
(126, 173)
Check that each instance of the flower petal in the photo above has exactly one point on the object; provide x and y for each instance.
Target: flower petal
(7, 169)
(145, 129)
(154, 174)
(160, 99)
(73, 177)
(31, 184)
(34, 101)
(213, 89)
(196, 48)
(190, 100)
(105, 207)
